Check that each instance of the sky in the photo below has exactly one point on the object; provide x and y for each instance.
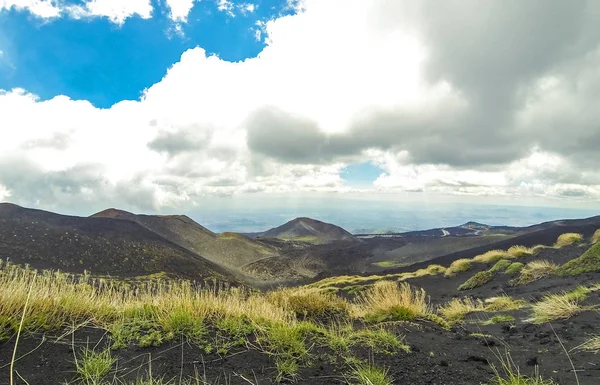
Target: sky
(187, 105)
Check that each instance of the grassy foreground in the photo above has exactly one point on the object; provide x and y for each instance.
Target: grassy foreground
(284, 324)
(290, 325)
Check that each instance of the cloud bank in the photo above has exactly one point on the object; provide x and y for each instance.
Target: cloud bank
(460, 97)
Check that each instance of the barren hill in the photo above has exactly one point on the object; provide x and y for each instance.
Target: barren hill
(101, 245)
(309, 230)
(232, 251)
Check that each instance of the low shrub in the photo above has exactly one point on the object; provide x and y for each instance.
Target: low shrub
(588, 262)
(477, 280)
(502, 264)
(514, 268)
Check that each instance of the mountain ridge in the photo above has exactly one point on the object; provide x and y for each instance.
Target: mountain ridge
(309, 230)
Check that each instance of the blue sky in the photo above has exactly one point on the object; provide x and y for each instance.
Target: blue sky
(97, 60)
(173, 105)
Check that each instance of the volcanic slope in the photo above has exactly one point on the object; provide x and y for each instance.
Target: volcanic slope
(536, 320)
(309, 230)
(422, 247)
(104, 246)
(230, 250)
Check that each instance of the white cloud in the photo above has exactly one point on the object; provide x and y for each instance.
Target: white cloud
(40, 8)
(379, 87)
(226, 6)
(116, 11)
(232, 9)
(180, 9)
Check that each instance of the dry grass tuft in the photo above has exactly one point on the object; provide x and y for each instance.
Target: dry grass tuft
(596, 236)
(435, 269)
(492, 256)
(559, 306)
(567, 239)
(456, 310)
(459, 266)
(504, 303)
(535, 270)
(307, 302)
(591, 345)
(519, 251)
(389, 301)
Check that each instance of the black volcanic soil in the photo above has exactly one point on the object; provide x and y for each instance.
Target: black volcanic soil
(462, 355)
(544, 234)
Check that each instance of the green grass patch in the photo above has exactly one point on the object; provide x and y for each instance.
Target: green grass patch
(232, 332)
(368, 374)
(502, 264)
(286, 342)
(389, 264)
(588, 262)
(514, 268)
(181, 322)
(393, 313)
(380, 340)
(93, 366)
(477, 280)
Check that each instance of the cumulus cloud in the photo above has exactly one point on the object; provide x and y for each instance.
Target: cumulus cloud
(464, 97)
(180, 9)
(115, 10)
(40, 8)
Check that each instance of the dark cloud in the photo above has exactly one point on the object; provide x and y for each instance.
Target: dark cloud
(437, 138)
(185, 140)
(288, 138)
(492, 54)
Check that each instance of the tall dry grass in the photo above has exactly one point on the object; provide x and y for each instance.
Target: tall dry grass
(596, 236)
(387, 296)
(59, 299)
(567, 239)
(535, 270)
